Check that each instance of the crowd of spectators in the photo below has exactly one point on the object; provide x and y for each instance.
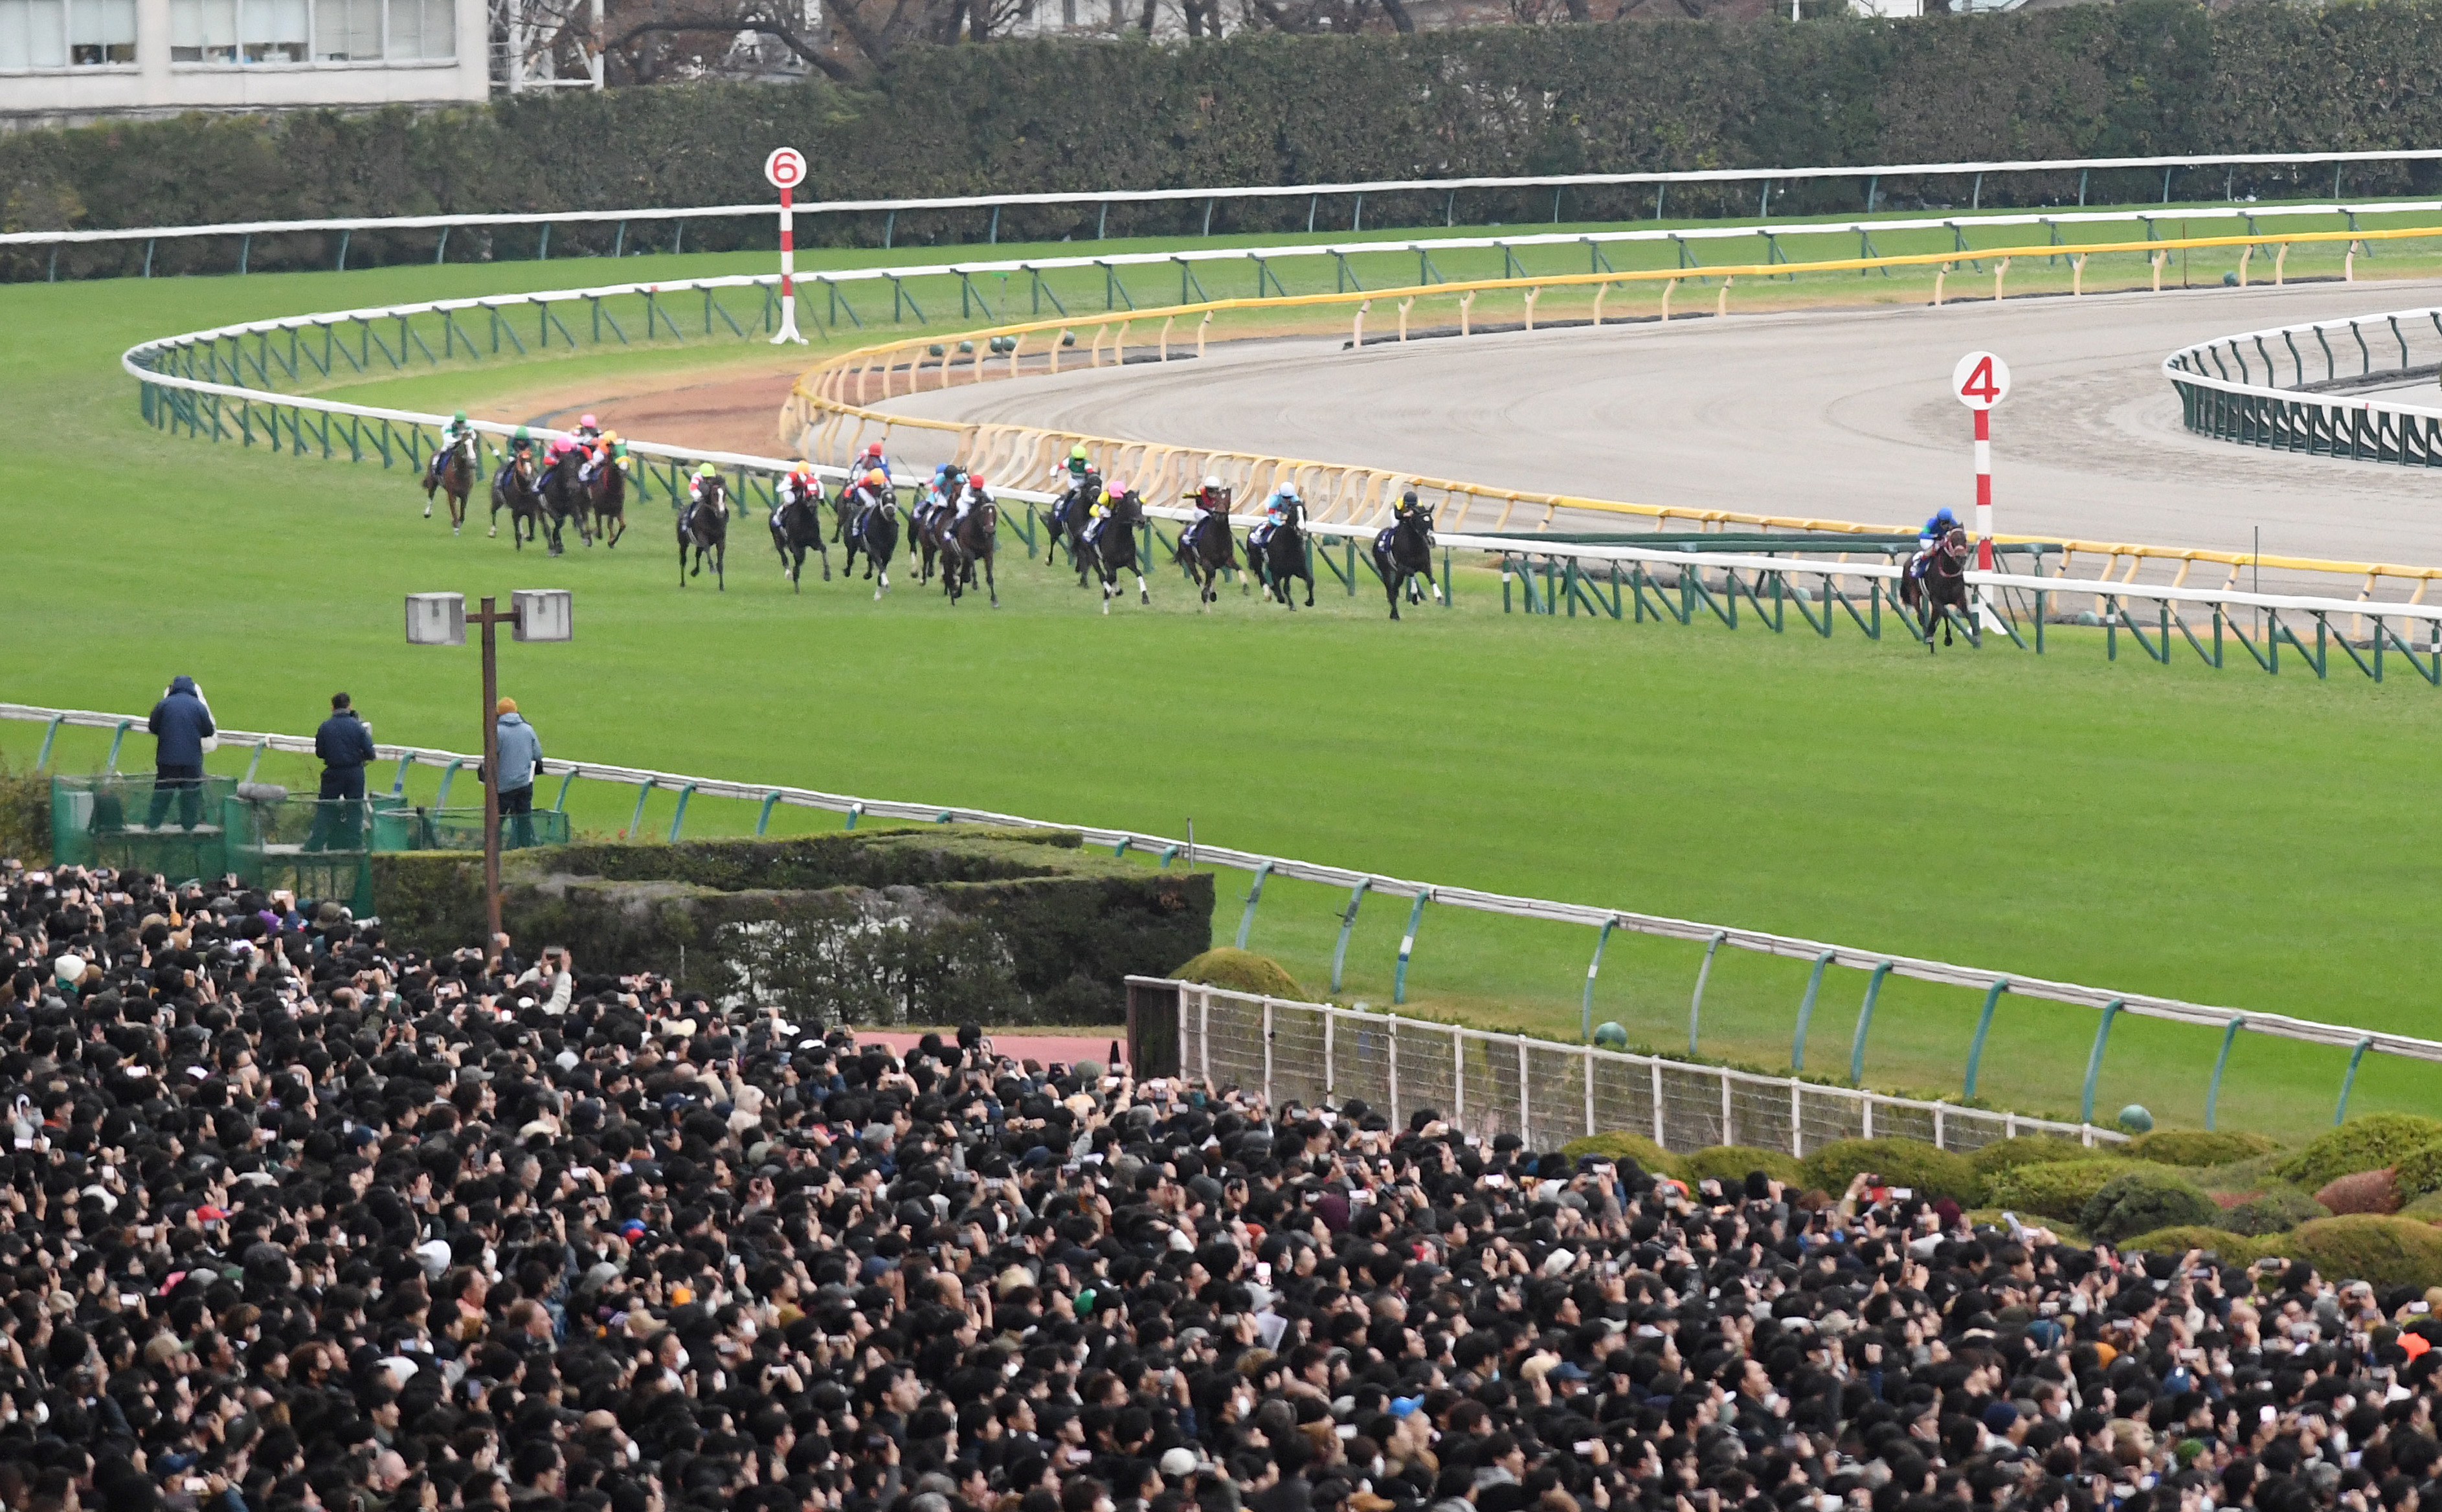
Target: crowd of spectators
(298, 1221)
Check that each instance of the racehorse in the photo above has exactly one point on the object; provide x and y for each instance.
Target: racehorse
(703, 526)
(1113, 547)
(876, 535)
(1069, 513)
(1941, 588)
(965, 543)
(564, 498)
(1404, 553)
(928, 539)
(1205, 548)
(453, 473)
(796, 525)
(1282, 558)
(607, 495)
(512, 489)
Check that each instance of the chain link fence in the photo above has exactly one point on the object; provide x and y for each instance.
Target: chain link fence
(1545, 1091)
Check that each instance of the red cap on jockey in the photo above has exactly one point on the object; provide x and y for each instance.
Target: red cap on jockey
(974, 480)
(873, 449)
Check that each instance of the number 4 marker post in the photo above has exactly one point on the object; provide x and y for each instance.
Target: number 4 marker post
(1982, 380)
(784, 169)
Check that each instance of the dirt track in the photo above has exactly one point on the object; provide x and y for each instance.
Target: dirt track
(736, 410)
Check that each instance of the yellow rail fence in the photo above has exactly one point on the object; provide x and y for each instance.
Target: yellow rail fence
(829, 415)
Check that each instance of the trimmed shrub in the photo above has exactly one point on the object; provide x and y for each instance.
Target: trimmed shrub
(2053, 1188)
(2387, 1251)
(2427, 1209)
(2142, 1200)
(2198, 1147)
(1929, 1171)
(1648, 1155)
(24, 815)
(2271, 1213)
(2361, 1192)
(1239, 970)
(2360, 1144)
(2419, 1170)
(2030, 1149)
(1729, 1163)
(2231, 1249)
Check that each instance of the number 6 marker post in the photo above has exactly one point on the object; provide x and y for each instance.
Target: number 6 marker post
(1982, 380)
(784, 169)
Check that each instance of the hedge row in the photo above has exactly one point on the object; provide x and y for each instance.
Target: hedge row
(925, 925)
(2151, 77)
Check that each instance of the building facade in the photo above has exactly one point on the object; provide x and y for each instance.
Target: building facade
(75, 62)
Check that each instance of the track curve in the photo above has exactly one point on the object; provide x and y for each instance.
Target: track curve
(1837, 413)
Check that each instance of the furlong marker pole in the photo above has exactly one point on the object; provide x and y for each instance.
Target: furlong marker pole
(1980, 381)
(785, 168)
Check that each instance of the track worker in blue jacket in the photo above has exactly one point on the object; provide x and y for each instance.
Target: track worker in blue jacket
(181, 722)
(345, 743)
(521, 756)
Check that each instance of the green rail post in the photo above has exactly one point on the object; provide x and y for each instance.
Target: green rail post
(1983, 1026)
(763, 819)
(855, 810)
(2350, 1081)
(1254, 896)
(255, 763)
(1805, 1012)
(50, 734)
(399, 778)
(1347, 923)
(1696, 1004)
(678, 818)
(1586, 1026)
(110, 767)
(559, 804)
(1408, 947)
(448, 774)
(2221, 1063)
(1865, 1023)
(2094, 1061)
(636, 820)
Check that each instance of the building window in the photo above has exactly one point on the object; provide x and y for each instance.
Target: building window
(66, 33)
(284, 31)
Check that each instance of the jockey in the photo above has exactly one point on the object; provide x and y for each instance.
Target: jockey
(451, 434)
(1276, 513)
(705, 481)
(798, 485)
(1942, 524)
(521, 444)
(972, 493)
(588, 428)
(1212, 502)
(1105, 506)
(605, 448)
(871, 460)
(1405, 506)
(1405, 510)
(871, 492)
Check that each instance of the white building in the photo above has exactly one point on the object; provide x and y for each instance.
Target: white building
(73, 62)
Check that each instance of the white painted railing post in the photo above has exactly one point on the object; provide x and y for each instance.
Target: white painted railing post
(1729, 1122)
(1268, 1058)
(1587, 1058)
(1525, 1114)
(1390, 1040)
(1330, 1078)
(1204, 1040)
(1458, 1077)
(1657, 1103)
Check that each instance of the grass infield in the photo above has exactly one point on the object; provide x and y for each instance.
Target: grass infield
(2229, 838)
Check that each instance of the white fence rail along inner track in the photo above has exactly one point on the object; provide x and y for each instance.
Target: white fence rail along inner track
(1603, 921)
(1544, 1091)
(2326, 388)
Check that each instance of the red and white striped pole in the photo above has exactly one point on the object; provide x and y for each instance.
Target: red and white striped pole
(1980, 381)
(784, 169)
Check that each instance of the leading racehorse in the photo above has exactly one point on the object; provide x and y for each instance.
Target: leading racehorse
(1405, 553)
(513, 489)
(1113, 548)
(1205, 549)
(453, 473)
(703, 526)
(871, 530)
(1941, 588)
(1280, 559)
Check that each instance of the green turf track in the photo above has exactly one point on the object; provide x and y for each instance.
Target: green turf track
(2226, 837)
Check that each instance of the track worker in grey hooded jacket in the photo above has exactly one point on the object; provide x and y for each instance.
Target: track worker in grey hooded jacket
(520, 757)
(181, 722)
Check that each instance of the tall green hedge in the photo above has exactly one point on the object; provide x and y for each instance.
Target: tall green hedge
(2149, 77)
(928, 926)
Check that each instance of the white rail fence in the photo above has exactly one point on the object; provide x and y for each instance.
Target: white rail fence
(1544, 1091)
(2342, 392)
(1877, 965)
(1871, 174)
